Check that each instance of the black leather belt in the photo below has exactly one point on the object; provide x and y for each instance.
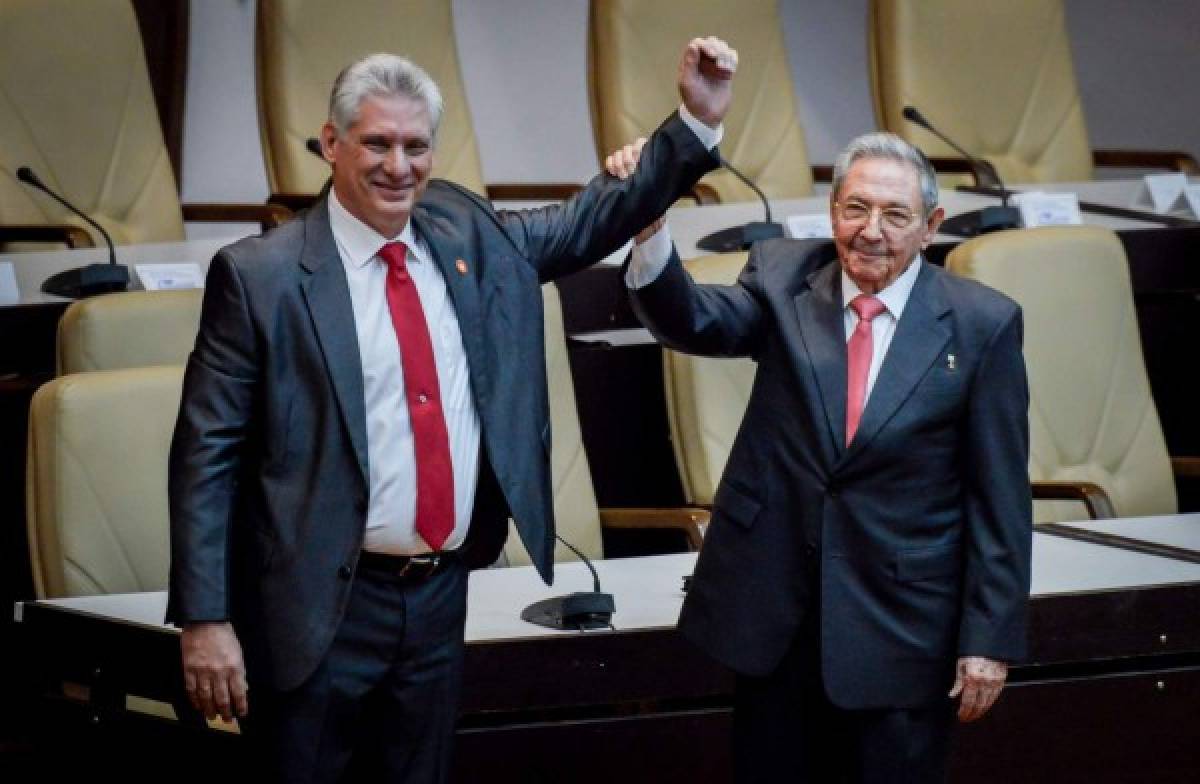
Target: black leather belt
(409, 568)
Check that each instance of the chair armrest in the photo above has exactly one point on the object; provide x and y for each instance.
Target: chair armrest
(1188, 467)
(691, 521)
(71, 236)
(532, 191)
(294, 201)
(1092, 495)
(1172, 160)
(266, 215)
(980, 170)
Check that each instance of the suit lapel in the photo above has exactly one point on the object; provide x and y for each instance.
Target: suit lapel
(328, 298)
(822, 328)
(460, 272)
(918, 342)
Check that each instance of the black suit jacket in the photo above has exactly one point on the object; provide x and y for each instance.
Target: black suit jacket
(269, 477)
(913, 543)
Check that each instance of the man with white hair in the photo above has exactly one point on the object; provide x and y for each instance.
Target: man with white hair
(868, 559)
(364, 409)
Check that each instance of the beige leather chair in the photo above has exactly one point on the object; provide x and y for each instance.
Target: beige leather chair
(995, 77)
(580, 521)
(631, 39)
(76, 107)
(706, 398)
(1092, 418)
(97, 481)
(128, 329)
(301, 48)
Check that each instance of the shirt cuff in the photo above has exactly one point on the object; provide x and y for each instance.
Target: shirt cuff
(649, 259)
(709, 137)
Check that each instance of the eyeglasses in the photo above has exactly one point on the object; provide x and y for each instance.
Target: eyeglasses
(857, 213)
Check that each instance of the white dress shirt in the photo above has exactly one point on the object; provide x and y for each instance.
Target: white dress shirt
(883, 326)
(391, 511)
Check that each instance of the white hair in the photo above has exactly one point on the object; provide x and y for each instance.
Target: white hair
(382, 74)
(881, 144)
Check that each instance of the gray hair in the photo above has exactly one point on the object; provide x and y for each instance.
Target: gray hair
(881, 144)
(382, 74)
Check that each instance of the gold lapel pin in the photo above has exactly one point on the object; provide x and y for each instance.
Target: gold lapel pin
(950, 360)
(461, 266)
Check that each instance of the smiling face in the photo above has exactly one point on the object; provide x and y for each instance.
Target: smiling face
(879, 225)
(381, 163)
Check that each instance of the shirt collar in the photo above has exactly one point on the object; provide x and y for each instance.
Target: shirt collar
(894, 297)
(359, 242)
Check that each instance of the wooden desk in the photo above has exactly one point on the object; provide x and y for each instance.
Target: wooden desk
(1109, 694)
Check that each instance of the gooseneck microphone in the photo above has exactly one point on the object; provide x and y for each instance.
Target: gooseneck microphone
(580, 610)
(742, 237)
(970, 224)
(81, 281)
(313, 145)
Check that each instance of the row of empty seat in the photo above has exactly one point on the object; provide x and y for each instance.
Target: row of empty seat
(999, 78)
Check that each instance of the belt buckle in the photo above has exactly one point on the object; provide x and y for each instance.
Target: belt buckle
(419, 566)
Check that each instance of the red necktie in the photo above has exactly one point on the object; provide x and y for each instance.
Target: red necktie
(431, 443)
(858, 364)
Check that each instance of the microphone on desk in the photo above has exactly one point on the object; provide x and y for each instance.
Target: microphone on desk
(81, 281)
(742, 237)
(580, 610)
(970, 224)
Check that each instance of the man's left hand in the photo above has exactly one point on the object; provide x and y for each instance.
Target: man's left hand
(706, 79)
(978, 680)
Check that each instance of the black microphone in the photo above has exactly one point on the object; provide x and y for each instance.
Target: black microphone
(970, 224)
(580, 610)
(742, 237)
(81, 281)
(313, 145)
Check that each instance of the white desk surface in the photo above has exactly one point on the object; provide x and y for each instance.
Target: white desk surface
(1171, 530)
(648, 594)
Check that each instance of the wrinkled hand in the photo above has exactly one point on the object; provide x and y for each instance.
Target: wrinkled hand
(979, 681)
(621, 165)
(213, 672)
(706, 79)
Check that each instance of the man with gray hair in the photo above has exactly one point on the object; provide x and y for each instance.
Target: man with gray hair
(868, 559)
(364, 409)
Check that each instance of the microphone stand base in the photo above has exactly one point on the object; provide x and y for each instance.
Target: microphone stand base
(590, 610)
(976, 222)
(739, 237)
(88, 281)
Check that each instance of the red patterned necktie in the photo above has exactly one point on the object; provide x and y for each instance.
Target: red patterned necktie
(858, 364)
(431, 443)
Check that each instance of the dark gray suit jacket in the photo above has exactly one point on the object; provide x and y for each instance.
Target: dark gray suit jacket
(914, 542)
(268, 474)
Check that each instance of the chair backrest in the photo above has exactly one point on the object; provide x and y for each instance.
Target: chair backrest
(633, 53)
(995, 77)
(706, 398)
(1091, 415)
(302, 45)
(575, 510)
(96, 488)
(76, 106)
(128, 329)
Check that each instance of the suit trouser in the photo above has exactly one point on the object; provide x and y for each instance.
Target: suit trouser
(382, 704)
(786, 729)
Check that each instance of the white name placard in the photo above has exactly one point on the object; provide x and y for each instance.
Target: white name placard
(1191, 194)
(802, 227)
(9, 294)
(163, 277)
(1048, 209)
(1161, 192)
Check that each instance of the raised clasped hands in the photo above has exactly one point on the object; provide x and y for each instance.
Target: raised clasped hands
(706, 79)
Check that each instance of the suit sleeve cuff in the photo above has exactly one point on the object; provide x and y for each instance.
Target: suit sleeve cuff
(649, 259)
(709, 137)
